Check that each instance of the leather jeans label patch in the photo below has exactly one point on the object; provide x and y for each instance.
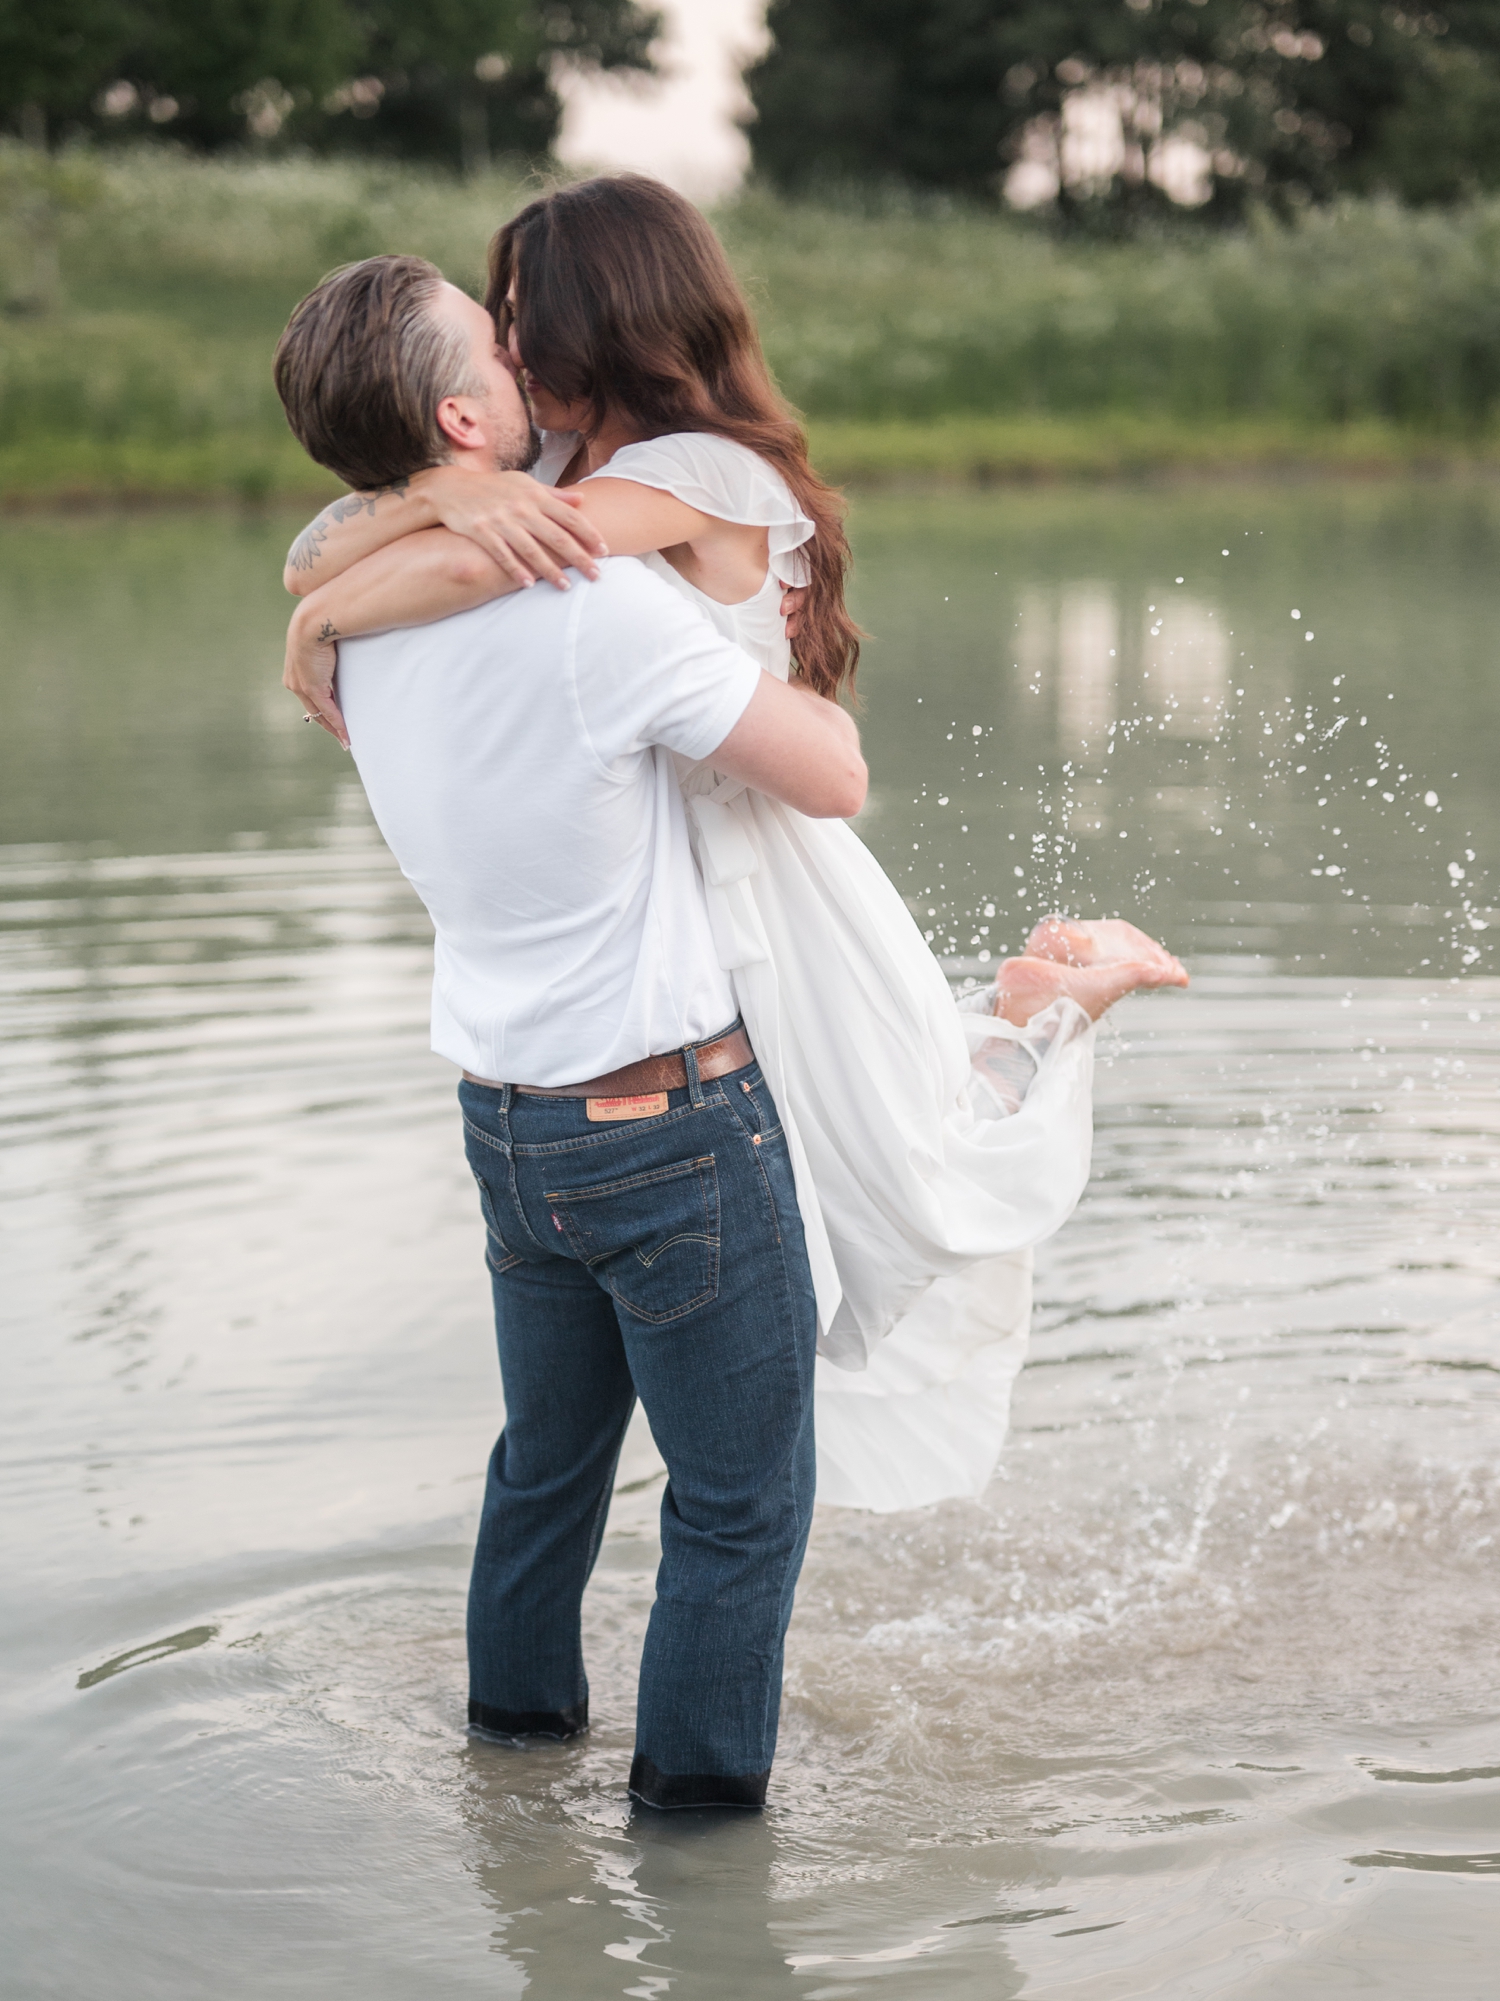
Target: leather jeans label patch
(650, 1107)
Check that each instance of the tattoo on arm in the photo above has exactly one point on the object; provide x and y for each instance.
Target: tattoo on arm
(308, 546)
(304, 551)
(327, 631)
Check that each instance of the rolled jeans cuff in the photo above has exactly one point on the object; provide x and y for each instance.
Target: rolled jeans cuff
(678, 1789)
(555, 1723)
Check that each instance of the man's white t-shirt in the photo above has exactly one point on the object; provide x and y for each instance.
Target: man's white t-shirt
(516, 760)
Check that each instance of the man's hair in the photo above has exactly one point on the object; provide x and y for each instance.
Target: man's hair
(363, 365)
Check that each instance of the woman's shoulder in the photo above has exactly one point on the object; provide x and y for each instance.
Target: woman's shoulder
(716, 475)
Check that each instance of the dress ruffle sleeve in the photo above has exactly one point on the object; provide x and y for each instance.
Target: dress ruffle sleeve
(724, 479)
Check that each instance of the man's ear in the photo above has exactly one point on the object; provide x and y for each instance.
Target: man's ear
(461, 421)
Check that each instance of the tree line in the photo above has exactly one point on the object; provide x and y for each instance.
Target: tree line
(451, 80)
(1101, 109)
(1284, 102)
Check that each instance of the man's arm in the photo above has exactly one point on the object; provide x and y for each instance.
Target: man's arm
(799, 747)
(359, 524)
(528, 529)
(425, 577)
(651, 669)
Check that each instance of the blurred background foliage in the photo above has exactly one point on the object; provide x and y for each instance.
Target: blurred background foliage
(985, 237)
(918, 333)
(1118, 108)
(455, 81)
(1104, 110)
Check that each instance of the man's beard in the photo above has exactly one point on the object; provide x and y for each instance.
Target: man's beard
(520, 451)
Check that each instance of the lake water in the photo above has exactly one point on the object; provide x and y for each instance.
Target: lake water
(1199, 1700)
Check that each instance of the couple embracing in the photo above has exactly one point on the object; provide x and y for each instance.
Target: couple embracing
(739, 1153)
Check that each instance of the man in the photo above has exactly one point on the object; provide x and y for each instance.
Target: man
(643, 1231)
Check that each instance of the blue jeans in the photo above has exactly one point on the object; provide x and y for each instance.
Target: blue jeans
(661, 1258)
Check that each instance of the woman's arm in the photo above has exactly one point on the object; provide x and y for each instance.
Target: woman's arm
(619, 517)
(424, 577)
(529, 529)
(726, 560)
(635, 519)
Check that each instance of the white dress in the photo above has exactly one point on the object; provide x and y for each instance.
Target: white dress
(922, 1190)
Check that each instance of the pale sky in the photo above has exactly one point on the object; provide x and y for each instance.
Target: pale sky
(680, 128)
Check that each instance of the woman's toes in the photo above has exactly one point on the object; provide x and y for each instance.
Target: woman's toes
(1024, 986)
(1060, 939)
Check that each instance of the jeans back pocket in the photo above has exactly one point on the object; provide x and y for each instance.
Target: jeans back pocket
(651, 1238)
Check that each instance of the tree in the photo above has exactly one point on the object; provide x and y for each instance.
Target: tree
(1298, 99)
(54, 57)
(463, 80)
(214, 71)
(443, 79)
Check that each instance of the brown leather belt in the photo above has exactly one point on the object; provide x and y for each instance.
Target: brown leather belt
(650, 1076)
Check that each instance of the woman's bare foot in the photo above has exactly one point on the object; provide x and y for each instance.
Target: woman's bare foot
(1098, 941)
(1023, 987)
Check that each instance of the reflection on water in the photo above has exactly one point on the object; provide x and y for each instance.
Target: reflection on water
(1266, 721)
(1198, 1701)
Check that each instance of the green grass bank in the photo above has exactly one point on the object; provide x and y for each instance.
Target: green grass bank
(142, 298)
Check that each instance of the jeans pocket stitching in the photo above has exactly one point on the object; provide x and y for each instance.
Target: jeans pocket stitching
(682, 1237)
(704, 1169)
(646, 1178)
(492, 1233)
(471, 1131)
(704, 1298)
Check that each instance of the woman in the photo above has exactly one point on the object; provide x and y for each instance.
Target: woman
(933, 1147)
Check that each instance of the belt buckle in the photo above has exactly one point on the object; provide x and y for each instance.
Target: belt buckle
(645, 1105)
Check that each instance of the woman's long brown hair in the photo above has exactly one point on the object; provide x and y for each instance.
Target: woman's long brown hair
(626, 299)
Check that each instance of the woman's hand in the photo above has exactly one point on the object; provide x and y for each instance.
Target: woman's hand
(529, 529)
(312, 658)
